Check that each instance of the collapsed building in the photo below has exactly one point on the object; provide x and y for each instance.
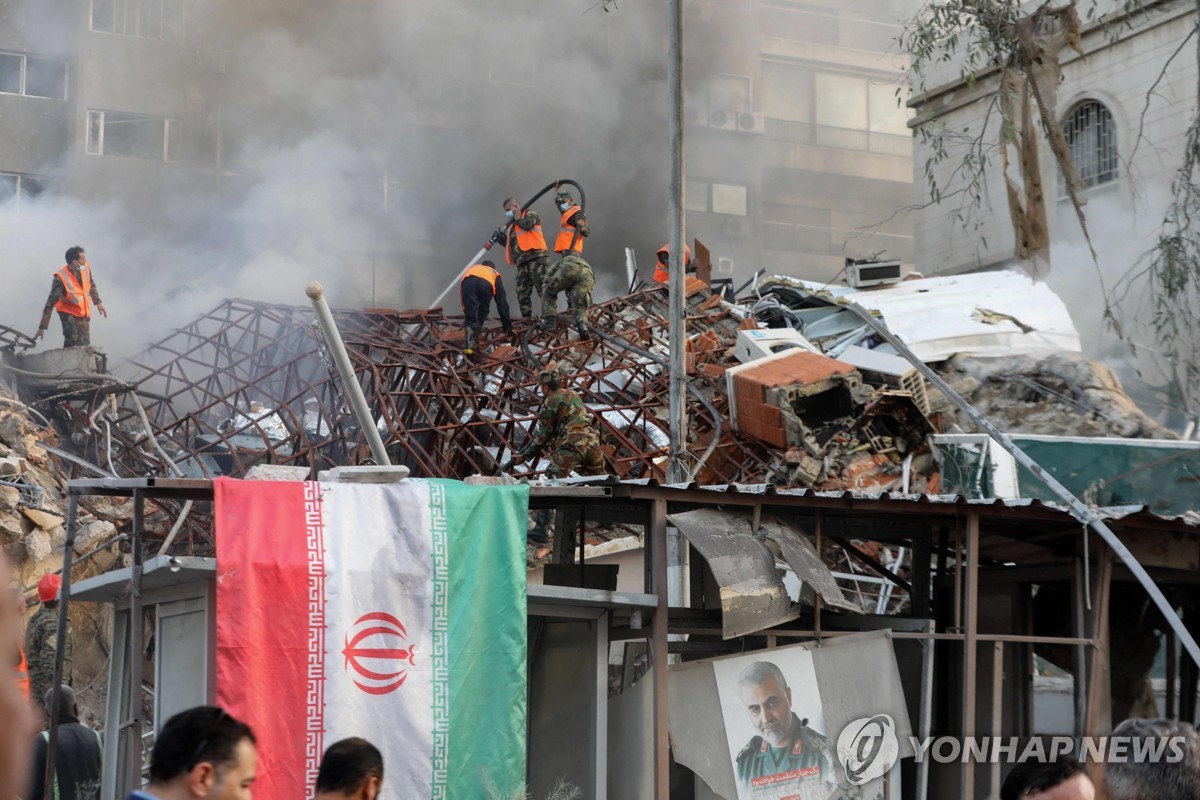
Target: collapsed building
(792, 402)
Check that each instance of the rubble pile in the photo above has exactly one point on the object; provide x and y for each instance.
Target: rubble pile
(32, 533)
(787, 386)
(1061, 394)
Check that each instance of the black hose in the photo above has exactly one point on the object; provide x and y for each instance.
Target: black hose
(555, 185)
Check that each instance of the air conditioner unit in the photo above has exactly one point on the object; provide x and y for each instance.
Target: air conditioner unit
(723, 120)
(751, 123)
(737, 227)
(880, 273)
(724, 266)
(695, 117)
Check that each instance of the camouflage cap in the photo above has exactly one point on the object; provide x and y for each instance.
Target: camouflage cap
(562, 195)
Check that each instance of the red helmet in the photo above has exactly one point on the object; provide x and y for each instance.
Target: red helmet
(48, 587)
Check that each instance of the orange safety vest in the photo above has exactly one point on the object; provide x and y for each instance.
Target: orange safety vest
(566, 232)
(23, 674)
(527, 240)
(661, 274)
(78, 300)
(487, 273)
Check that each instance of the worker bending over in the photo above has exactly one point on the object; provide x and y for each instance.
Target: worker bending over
(479, 285)
(564, 425)
(662, 268)
(525, 248)
(72, 293)
(574, 277)
(572, 228)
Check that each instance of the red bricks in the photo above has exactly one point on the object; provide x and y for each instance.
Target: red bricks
(713, 372)
(693, 285)
(748, 324)
(710, 303)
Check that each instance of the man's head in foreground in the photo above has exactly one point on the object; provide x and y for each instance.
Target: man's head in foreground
(1164, 778)
(68, 707)
(203, 752)
(1064, 779)
(351, 769)
(768, 699)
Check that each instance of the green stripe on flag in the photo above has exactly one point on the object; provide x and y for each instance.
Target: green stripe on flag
(483, 652)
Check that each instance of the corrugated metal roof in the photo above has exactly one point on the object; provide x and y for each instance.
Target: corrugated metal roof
(1111, 513)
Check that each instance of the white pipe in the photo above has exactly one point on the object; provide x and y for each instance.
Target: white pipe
(459, 277)
(345, 369)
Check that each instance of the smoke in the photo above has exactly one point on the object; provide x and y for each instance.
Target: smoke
(366, 144)
(1113, 284)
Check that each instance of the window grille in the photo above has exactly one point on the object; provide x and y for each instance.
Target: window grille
(1092, 137)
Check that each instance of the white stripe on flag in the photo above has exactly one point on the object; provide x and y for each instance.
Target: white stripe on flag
(380, 680)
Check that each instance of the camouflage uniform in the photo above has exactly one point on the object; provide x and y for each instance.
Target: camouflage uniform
(41, 644)
(564, 425)
(77, 331)
(531, 264)
(804, 771)
(573, 276)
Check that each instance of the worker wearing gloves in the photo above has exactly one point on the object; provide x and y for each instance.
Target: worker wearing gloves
(662, 271)
(574, 277)
(479, 285)
(524, 248)
(72, 295)
(572, 228)
(564, 425)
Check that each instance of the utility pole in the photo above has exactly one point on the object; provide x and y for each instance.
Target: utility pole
(677, 471)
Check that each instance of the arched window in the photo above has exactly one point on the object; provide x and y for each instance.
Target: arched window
(1092, 136)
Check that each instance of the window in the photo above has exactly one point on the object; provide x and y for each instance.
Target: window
(787, 92)
(148, 19)
(17, 189)
(33, 76)
(113, 133)
(729, 199)
(1092, 138)
(842, 101)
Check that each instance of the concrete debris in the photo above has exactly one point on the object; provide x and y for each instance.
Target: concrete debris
(1063, 394)
(787, 387)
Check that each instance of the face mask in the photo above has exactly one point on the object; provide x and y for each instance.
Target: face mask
(564, 206)
(509, 213)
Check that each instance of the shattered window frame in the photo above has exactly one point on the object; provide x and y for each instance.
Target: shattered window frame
(99, 120)
(25, 189)
(22, 89)
(160, 20)
(1091, 133)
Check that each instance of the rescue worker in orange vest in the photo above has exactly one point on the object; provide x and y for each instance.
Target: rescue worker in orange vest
(72, 294)
(481, 283)
(662, 267)
(525, 248)
(20, 664)
(572, 228)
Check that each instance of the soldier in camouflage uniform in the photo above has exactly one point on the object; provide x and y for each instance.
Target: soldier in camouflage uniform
(73, 294)
(41, 640)
(574, 277)
(532, 260)
(563, 424)
(789, 759)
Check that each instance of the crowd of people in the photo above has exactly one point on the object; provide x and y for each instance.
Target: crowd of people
(203, 752)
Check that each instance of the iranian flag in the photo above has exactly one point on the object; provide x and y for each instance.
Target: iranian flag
(391, 612)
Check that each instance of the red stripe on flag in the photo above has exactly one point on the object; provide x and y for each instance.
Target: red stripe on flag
(270, 625)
